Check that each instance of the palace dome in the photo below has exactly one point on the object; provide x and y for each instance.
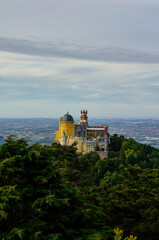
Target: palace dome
(67, 118)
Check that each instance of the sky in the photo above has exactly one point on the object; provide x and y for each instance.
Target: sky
(58, 56)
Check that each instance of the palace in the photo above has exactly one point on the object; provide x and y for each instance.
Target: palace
(88, 138)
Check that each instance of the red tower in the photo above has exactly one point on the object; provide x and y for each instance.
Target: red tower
(84, 116)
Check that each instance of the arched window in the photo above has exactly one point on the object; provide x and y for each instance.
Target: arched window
(102, 148)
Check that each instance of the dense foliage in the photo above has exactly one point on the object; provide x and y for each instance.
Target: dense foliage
(50, 193)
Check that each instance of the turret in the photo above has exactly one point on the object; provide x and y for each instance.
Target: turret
(84, 123)
(84, 117)
(63, 139)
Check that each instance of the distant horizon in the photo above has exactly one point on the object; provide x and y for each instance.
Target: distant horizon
(111, 118)
(43, 130)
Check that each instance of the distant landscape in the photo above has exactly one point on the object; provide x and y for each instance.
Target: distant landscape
(43, 130)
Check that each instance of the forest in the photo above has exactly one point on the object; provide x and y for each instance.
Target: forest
(51, 193)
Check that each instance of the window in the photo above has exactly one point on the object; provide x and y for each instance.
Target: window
(102, 148)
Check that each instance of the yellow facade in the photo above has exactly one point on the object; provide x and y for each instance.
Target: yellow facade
(95, 134)
(65, 127)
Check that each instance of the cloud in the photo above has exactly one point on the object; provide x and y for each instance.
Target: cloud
(78, 51)
(68, 84)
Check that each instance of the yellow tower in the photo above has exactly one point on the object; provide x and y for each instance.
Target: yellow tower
(66, 127)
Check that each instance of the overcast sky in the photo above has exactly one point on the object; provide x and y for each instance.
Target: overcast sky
(67, 55)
